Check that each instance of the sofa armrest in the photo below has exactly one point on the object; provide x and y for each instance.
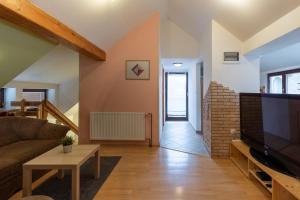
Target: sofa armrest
(52, 131)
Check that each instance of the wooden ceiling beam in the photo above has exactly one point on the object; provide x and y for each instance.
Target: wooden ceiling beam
(25, 14)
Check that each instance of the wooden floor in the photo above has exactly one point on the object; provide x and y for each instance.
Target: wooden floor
(161, 174)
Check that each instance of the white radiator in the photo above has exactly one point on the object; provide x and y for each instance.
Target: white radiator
(118, 126)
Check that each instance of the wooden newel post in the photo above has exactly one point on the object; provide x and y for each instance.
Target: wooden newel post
(43, 114)
(23, 105)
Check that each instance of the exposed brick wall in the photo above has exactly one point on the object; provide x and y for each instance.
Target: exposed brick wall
(221, 116)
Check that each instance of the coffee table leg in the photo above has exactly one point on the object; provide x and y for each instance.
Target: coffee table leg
(61, 173)
(76, 183)
(97, 165)
(27, 181)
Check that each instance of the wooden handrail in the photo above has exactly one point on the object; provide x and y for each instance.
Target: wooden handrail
(46, 108)
(24, 103)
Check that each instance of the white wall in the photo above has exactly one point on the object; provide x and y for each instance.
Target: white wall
(241, 77)
(194, 97)
(73, 114)
(206, 54)
(18, 86)
(176, 43)
(160, 100)
(68, 94)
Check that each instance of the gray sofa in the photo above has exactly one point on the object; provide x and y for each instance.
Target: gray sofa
(22, 139)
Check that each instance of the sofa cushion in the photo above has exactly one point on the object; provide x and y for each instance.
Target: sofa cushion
(8, 167)
(26, 150)
(7, 134)
(27, 128)
(52, 131)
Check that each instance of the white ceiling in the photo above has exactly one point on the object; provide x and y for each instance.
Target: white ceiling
(104, 22)
(59, 65)
(187, 63)
(287, 57)
(243, 18)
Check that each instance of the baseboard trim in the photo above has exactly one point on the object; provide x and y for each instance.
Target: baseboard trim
(197, 131)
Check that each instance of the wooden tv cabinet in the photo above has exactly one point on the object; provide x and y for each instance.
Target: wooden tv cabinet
(283, 187)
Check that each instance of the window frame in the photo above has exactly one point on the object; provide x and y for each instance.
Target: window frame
(284, 75)
(2, 97)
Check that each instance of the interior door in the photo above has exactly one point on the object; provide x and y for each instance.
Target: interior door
(176, 96)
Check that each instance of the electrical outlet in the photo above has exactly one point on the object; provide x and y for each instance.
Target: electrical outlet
(232, 131)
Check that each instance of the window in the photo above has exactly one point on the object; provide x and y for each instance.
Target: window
(293, 83)
(176, 96)
(34, 94)
(285, 82)
(276, 84)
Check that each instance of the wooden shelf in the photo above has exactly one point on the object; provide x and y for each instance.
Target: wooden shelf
(263, 183)
(283, 187)
(241, 165)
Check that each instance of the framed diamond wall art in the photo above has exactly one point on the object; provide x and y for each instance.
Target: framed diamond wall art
(138, 70)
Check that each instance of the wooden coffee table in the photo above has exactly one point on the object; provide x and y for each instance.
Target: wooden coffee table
(56, 159)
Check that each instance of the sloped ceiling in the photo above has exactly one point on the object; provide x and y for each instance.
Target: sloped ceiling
(286, 57)
(243, 18)
(59, 65)
(104, 22)
(18, 50)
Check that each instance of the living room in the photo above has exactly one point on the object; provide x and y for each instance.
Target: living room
(119, 49)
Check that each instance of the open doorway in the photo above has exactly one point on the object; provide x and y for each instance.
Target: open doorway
(177, 105)
(182, 106)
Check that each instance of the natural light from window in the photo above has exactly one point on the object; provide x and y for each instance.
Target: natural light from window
(276, 84)
(177, 95)
(293, 83)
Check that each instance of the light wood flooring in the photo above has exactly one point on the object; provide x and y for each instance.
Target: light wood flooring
(161, 174)
(146, 173)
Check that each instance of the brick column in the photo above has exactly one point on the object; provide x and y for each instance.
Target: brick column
(221, 113)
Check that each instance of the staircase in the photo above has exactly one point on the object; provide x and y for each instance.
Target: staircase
(46, 108)
(42, 110)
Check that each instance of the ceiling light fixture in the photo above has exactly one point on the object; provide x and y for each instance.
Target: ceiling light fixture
(238, 3)
(177, 64)
(102, 2)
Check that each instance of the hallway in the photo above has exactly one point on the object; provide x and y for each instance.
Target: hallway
(181, 136)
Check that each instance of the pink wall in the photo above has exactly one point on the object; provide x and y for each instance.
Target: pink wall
(103, 87)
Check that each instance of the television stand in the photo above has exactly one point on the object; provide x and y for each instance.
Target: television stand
(270, 162)
(280, 186)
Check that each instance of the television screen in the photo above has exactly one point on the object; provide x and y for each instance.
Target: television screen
(271, 125)
(251, 120)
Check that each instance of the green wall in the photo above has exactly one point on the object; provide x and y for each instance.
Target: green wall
(19, 49)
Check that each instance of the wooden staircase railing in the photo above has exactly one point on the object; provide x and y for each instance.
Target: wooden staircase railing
(46, 108)
(23, 108)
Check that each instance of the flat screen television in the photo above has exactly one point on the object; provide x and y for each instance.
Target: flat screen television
(270, 125)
